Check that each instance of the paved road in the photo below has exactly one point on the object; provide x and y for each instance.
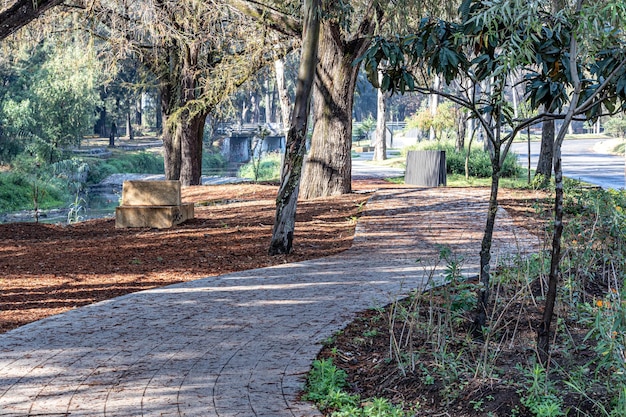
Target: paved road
(238, 345)
(581, 162)
(362, 167)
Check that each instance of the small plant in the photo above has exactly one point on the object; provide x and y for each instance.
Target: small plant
(540, 395)
(76, 207)
(325, 386)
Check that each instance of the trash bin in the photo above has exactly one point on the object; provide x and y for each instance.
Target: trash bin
(425, 168)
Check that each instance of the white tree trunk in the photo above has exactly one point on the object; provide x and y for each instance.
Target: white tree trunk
(283, 94)
(380, 144)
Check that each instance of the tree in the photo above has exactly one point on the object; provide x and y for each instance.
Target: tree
(200, 53)
(543, 173)
(380, 145)
(328, 166)
(286, 201)
(54, 105)
(490, 42)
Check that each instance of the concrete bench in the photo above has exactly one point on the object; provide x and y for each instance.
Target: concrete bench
(154, 204)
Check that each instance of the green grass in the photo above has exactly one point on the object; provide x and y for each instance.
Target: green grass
(268, 168)
(16, 193)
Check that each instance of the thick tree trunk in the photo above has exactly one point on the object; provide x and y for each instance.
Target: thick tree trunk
(544, 164)
(182, 137)
(328, 167)
(190, 125)
(191, 130)
(171, 141)
(380, 146)
(286, 201)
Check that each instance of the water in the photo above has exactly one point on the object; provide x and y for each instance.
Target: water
(101, 200)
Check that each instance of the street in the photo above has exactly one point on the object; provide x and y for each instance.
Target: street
(580, 162)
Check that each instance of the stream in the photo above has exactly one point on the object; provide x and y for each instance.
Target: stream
(100, 200)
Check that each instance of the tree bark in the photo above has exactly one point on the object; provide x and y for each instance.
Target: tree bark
(283, 95)
(286, 201)
(171, 141)
(190, 124)
(328, 167)
(543, 332)
(480, 320)
(461, 126)
(380, 146)
(182, 127)
(21, 13)
(544, 164)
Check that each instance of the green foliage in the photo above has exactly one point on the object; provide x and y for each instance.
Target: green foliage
(616, 126)
(325, 386)
(363, 130)
(16, 193)
(268, 169)
(136, 163)
(58, 105)
(479, 161)
(540, 396)
(213, 163)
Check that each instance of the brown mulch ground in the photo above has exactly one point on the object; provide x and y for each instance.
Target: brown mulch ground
(47, 269)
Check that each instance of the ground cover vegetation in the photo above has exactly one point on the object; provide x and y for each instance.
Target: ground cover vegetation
(418, 354)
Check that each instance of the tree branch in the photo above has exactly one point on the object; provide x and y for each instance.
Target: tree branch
(21, 13)
(268, 16)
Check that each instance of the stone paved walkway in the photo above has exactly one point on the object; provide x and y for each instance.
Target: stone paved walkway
(238, 344)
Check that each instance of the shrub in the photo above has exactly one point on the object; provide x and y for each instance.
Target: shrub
(268, 168)
(16, 193)
(136, 163)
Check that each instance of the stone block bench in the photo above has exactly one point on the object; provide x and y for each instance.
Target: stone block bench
(154, 204)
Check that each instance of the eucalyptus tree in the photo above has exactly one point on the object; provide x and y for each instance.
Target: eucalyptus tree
(572, 69)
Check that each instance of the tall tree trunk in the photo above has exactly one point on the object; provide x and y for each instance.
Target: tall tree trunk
(286, 201)
(380, 146)
(268, 102)
(461, 126)
(191, 130)
(283, 94)
(129, 126)
(433, 103)
(543, 331)
(190, 124)
(328, 167)
(182, 137)
(544, 164)
(171, 141)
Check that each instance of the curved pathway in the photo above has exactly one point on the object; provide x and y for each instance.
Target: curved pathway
(238, 344)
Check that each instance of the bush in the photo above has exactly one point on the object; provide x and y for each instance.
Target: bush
(16, 193)
(213, 163)
(268, 168)
(479, 161)
(135, 163)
